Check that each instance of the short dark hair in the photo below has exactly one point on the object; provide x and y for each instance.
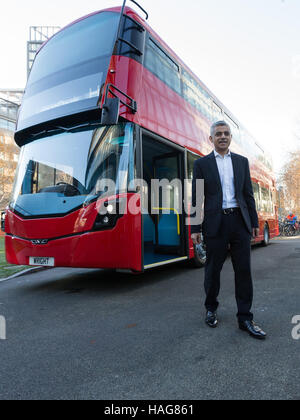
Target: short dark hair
(218, 124)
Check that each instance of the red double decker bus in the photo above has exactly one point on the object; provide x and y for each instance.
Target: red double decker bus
(107, 99)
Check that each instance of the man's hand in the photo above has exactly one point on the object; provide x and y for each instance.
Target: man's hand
(197, 238)
(255, 232)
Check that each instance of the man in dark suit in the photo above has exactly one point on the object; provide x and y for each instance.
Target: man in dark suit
(230, 219)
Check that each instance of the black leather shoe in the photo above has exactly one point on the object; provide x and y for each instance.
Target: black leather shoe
(252, 329)
(211, 319)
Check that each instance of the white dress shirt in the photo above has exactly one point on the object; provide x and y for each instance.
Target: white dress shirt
(225, 168)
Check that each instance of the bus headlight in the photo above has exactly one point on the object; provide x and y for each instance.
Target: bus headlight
(109, 213)
(110, 209)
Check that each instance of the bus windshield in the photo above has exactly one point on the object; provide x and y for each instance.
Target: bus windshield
(59, 174)
(69, 71)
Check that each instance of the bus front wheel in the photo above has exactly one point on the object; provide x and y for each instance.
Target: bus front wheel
(200, 256)
(266, 240)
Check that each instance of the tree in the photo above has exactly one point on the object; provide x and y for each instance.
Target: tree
(290, 181)
(8, 163)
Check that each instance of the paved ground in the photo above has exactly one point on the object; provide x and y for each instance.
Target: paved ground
(83, 334)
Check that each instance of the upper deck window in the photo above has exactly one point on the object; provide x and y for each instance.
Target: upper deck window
(217, 112)
(196, 96)
(69, 70)
(234, 128)
(159, 63)
(80, 43)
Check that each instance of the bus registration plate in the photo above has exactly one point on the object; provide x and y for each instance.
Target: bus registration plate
(42, 261)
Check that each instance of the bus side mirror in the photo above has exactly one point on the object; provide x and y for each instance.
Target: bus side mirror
(110, 111)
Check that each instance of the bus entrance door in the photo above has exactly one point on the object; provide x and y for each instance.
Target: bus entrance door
(166, 205)
(163, 225)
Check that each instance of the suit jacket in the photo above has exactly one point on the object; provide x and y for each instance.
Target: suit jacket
(207, 169)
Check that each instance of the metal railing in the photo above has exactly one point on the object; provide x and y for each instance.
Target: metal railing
(8, 110)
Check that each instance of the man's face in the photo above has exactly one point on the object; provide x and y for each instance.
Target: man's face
(222, 139)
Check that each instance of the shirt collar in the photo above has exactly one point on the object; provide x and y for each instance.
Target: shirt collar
(218, 155)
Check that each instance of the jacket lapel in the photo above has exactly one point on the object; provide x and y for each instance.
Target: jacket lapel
(236, 169)
(214, 169)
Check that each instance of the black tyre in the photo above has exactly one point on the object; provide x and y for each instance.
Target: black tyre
(266, 240)
(200, 256)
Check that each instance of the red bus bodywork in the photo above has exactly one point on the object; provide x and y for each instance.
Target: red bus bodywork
(160, 110)
(166, 113)
(72, 242)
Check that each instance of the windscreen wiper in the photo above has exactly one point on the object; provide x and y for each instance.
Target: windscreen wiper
(43, 132)
(77, 127)
(57, 129)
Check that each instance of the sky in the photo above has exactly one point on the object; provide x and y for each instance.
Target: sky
(247, 52)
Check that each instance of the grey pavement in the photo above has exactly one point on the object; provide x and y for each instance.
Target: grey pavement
(96, 334)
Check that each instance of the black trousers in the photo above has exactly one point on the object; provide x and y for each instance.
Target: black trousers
(232, 232)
